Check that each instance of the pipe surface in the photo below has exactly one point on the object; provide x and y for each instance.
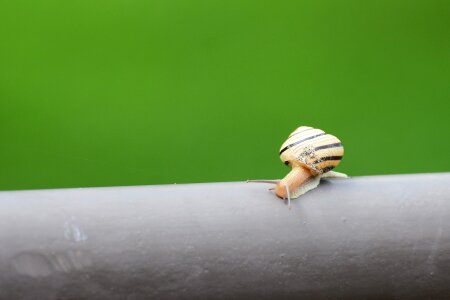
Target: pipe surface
(375, 237)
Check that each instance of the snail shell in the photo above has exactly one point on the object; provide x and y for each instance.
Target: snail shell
(313, 149)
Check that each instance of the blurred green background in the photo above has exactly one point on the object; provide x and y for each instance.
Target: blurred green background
(130, 92)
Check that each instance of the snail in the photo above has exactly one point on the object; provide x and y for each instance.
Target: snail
(312, 154)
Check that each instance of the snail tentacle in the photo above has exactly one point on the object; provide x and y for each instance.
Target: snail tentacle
(264, 181)
(288, 196)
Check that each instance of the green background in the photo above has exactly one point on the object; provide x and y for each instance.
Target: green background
(128, 92)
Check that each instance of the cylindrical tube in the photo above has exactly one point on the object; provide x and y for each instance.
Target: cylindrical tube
(377, 237)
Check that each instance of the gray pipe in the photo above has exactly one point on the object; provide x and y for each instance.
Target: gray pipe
(379, 237)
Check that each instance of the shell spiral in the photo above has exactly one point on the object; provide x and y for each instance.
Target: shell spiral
(313, 149)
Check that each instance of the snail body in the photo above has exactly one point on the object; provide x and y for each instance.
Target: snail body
(312, 154)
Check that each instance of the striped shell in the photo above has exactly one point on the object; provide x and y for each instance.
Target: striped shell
(312, 148)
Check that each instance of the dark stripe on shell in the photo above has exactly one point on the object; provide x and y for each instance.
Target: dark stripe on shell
(324, 170)
(301, 141)
(327, 158)
(336, 145)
